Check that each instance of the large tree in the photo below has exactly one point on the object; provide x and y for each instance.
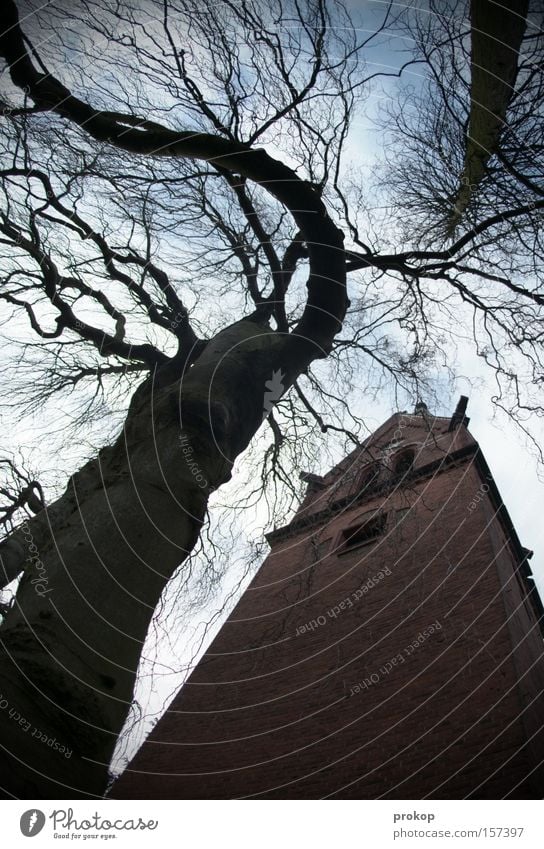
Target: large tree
(179, 221)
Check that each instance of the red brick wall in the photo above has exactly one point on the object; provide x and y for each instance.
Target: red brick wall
(299, 696)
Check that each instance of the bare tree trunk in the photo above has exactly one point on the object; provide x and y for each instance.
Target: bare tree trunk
(497, 33)
(106, 549)
(99, 558)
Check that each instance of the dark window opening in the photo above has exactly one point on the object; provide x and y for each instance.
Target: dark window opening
(404, 462)
(364, 533)
(368, 477)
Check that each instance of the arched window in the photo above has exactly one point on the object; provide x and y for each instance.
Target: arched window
(404, 462)
(369, 475)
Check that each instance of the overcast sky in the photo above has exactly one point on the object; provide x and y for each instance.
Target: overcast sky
(513, 465)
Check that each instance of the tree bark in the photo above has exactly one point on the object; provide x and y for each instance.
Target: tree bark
(497, 32)
(98, 559)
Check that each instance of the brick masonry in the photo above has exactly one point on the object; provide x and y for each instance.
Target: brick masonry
(410, 666)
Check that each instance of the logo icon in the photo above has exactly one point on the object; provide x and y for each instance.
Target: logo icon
(274, 390)
(32, 822)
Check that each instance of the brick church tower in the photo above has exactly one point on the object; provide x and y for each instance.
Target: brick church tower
(390, 646)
